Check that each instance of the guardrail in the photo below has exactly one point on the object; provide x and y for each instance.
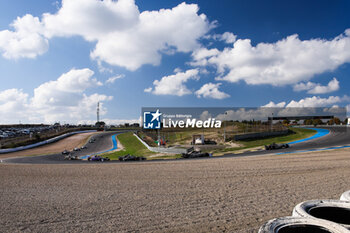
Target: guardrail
(51, 140)
(169, 150)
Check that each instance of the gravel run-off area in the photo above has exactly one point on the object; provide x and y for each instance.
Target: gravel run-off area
(205, 195)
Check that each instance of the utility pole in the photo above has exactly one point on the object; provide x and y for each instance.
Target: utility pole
(98, 111)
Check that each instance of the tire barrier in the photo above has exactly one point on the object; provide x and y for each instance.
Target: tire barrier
(332, 210)
(345, 196)
(55, 139)
(315, 216)
(301, 225)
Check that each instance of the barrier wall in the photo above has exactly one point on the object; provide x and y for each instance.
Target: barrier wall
(51, 140)
(169, 150)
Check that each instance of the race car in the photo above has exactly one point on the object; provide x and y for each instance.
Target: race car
(98, 158)
(192, 153)
(83, 147)
(65, 152)
(71, 157)
(131, 158)
(275, 146)
(76, 149)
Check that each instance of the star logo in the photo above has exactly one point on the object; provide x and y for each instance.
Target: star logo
(152, 120)
(156, 115)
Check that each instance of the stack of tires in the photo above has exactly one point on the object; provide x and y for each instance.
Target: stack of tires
(316, 216)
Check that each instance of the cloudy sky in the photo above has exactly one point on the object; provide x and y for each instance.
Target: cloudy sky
(59, 58)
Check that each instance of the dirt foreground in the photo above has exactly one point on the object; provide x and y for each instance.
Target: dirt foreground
(68, 143)
(211, 195)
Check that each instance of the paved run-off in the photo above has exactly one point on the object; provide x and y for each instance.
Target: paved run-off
(227, 194)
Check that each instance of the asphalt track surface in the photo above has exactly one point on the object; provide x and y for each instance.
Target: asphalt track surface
(337, 137)
(103, 142)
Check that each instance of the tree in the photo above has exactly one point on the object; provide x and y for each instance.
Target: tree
(336, 120)
(100, 124)
(316, 122)
(308, 122)
(286, 122)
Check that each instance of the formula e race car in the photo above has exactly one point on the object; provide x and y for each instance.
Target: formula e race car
(65, 152)
(192, 153)
(131, 158)
(71, 157)
(275, 146)
(98, 158)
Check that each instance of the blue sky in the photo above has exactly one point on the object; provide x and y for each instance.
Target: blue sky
(141, 46)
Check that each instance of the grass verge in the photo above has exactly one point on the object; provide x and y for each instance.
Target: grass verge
(299, 133)
(131, 146)
(134, 147)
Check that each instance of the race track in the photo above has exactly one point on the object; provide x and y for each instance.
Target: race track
(207, 195)
(337, 137)
(103, 142)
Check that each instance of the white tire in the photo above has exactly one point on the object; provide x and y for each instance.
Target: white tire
(332, 210)
(345, 196)
(302, 225)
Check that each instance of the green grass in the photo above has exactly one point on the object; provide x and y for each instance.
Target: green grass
(134, 147)
(299, 133)
(131, 146)
(166, 157)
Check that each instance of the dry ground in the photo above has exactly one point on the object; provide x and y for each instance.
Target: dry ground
(68, 143)
(212, 195)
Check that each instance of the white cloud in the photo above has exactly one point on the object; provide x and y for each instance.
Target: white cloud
(317, 101)
(304, 86)
(148, 90)
(112, 79)
(13, 105)
(200, 56)
(103, 69)
(228, 37)
(124, 36)
(316, 88)
(26, 41)
(271, 104)
(177, 70)
(246, 114)
(63, 99)
(174, 84)
(166, 30)
(287, 61)
(211, 90)
(314, 101)
(109, 121)
(91, 19)
(205, 115)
